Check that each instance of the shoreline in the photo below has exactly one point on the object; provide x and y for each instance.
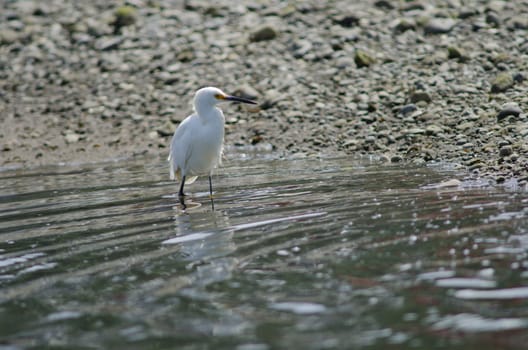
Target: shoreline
(409, 82)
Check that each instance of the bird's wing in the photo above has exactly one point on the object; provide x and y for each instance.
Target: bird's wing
(181, 146)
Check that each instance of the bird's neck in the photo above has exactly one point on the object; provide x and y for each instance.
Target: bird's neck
(210, 113)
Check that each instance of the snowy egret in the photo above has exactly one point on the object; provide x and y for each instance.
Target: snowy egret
(197, 144)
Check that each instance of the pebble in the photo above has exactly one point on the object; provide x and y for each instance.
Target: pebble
(363, 59)
(433, 130)
(414, 131)
(420, 96)
(408, 109)
(347, 21)
(72, 137)
(439, 26)
(167, 129)
(509, 109)
(396, 159)
(247, 91)
(123, 16)
(108, 43)
(404, 25)
(263, 34)
(301, 48)
(449, 183)
(502, 82)
(505, 151)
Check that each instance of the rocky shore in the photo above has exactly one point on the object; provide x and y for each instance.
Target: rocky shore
(416, 81)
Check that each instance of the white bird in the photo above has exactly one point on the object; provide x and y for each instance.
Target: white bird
(197, 145)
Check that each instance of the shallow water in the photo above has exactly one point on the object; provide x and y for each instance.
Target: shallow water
(311, 254)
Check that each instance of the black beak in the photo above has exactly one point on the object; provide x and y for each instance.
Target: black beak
(239, 99)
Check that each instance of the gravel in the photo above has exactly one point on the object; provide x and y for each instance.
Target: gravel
(418, 81)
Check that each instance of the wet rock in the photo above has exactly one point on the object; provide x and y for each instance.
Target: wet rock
(263, 33)
(439, 26)
(502, 82)
(509, 109)
(363, 59)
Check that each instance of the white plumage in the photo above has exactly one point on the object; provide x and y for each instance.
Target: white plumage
(197, 144)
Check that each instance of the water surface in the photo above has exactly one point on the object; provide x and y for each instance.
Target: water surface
(312, 254)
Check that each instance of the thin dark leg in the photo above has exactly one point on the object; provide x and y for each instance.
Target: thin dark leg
(211, 191)
(180, 193)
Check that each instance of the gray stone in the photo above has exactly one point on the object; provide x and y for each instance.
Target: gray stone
(8, 36)
(502, 82)
(301, 48)
(72, 137)
(519, 22)
(433, 130)
(509, 109)
(414, 131)
(420, 96)
(347, 21)
(493, 19)
(505, 151)
(384, 4)
(108, 43)
(246, 91)
(363, 59)
(439, 26)
(396, 159)
(404, 25)
(408, 109)
(167, 129)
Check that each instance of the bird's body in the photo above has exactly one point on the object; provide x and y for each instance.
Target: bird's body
(197, 145)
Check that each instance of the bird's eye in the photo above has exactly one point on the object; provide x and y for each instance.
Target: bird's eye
(219, 97)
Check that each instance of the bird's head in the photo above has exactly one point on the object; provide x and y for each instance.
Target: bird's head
(210, 96)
